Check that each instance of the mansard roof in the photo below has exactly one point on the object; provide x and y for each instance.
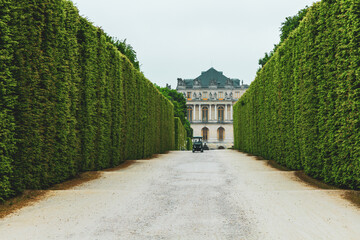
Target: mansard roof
(211, 76)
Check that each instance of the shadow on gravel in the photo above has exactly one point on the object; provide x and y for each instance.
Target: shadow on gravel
(82, 178)
(314, 182)
(30, 197)
(351, 195)
(270, 163)
(122, 166)
(277, 166)
(128, 163)
(27, 198)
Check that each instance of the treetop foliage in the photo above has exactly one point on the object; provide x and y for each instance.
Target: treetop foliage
(125, 49)
(180, 109)
(290, 24)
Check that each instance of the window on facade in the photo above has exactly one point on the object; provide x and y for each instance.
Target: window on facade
(237, 94)
(189, 114)
(205, 114)
(221, 114)
(221, 134)
(221, 95)
(205, 95)
(188, 94)
(205, 133)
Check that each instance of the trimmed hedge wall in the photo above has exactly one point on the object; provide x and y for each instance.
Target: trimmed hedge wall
(302, 110)
(8, 101)
(70, 101)
(189, 144)
(180, 135)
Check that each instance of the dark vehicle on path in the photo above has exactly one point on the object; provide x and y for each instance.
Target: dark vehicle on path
(197, 144)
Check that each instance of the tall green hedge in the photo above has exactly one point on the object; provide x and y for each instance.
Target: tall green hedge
(7, 101)
(302, 110)
(180, 135)
(189, 144)
(69, 100)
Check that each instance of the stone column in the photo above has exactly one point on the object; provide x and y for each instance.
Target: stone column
(226, 112)
(231, 112)
(197, 112)
(210, 112)
(216, 113)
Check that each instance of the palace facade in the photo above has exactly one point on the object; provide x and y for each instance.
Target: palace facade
(210, 99)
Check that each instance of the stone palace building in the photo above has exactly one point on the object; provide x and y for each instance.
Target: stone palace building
(210, 99)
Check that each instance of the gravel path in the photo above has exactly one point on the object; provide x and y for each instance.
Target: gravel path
(220, 194)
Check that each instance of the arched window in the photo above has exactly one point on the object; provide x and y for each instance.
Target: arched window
(221, 114)
(205, 133)
(205, 114)
(221, 134)
(189, 114)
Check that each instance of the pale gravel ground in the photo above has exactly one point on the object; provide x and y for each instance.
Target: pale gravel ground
(211, 195)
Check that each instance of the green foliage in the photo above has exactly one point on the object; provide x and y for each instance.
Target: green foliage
(7, 102)
(70, 101)
(180, 135)
(125, 49)
(290, 24)
(189, 130)
(302, 108)
(179, 103)
(189, 144)
(266, 58)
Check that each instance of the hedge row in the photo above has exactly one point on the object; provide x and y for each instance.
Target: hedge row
(7, 101)
(189, 144)
(180, 135)
(302, 110)
(70, 101)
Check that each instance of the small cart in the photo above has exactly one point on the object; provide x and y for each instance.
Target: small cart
(197, 144)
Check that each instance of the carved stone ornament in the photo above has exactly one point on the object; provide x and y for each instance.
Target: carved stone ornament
(181, 82)
(196, 82)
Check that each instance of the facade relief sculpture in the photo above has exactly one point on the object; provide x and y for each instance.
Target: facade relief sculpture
(181, 84)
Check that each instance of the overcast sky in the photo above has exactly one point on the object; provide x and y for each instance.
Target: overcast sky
(180, 38)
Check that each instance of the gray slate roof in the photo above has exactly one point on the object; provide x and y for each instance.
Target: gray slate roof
(212, 74)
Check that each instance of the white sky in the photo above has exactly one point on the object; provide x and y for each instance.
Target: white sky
(180, 38)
